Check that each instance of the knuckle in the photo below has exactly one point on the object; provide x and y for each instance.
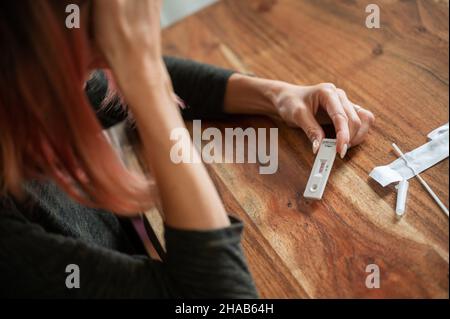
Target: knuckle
(283, 111)
(327, 88)
(311, 132)
(296, 112)
(341, 92)
(357, 123)
(370, 117)
(339, 116)
(329, 85)
(365, 115)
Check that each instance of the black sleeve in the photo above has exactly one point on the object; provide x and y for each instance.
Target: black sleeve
(111, 110)
(199, 265)
(202, 87)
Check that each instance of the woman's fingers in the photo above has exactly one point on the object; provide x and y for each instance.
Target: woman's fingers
(354, 122)
(307, 121)
(367, 120)
(329, 99)
(128, 34)
(309, 106)
(351, 122)
(360, 120)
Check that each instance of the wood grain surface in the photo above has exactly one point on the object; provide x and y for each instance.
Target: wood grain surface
(304, 249)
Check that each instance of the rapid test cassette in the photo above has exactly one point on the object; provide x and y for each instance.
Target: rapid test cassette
(321, 169)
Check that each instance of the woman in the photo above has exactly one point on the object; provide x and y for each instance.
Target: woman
(63, 187)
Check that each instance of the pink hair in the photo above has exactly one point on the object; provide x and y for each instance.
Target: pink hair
(47, 127)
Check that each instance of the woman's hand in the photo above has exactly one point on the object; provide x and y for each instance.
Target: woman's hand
(304, 106)
(310, 106)
(126, 30)
(128, 34)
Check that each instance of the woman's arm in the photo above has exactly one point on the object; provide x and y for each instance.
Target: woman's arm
(189, 198)
(202, 264)
(201, 87)
(129, 36)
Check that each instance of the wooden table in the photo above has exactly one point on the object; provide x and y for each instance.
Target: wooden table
(303, 249)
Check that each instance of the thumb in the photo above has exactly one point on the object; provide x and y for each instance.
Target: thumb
(307, 121)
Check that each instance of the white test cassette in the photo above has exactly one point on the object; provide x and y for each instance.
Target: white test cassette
(321, 170)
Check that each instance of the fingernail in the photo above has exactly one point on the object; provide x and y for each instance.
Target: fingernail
(344, 150)
(315, 146)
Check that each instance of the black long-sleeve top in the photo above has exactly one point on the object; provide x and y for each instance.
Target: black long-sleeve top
(41, 238)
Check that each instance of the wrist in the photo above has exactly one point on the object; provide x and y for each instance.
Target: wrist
(251, 95)
(142, 80)
(143, 71)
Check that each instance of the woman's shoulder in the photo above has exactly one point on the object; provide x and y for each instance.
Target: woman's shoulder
(9, 209)
(12, 218)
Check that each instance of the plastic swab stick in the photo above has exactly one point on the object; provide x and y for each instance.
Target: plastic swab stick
(421, 180)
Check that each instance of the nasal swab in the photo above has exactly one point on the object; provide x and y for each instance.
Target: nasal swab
(421, 180)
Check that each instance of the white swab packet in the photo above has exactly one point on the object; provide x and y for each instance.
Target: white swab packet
(419, 159)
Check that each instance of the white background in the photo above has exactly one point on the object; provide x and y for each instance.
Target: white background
(175, 10)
